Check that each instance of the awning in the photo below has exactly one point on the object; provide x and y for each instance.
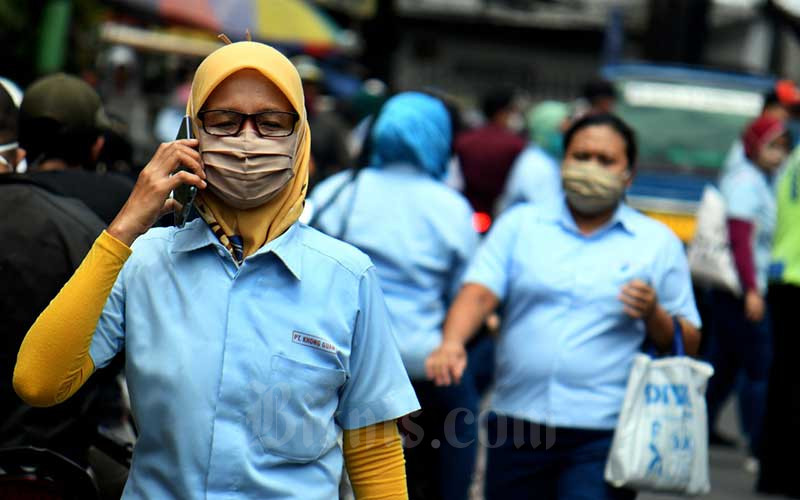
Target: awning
(282, 22)
(181, 43)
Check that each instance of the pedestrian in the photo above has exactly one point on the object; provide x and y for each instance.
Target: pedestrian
(741, 337)
(781, 438)
(535, 176)
(583, 284)
(419, 233)
(597, 96)
(44, 237)
(328, 128)
(251, 341)
(125, 101)
(775, 104)
(61, 128)
(486, 153)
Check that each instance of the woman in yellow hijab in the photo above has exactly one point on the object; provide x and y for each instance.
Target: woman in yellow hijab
(252, 342)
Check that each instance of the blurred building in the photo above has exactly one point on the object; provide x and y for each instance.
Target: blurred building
(550, 47)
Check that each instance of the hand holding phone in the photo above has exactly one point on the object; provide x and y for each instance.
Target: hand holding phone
(184, 194)
(152, 195)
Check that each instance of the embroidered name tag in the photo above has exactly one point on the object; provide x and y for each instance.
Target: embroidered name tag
(312, 341)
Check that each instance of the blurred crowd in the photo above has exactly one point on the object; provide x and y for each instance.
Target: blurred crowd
(517, 278)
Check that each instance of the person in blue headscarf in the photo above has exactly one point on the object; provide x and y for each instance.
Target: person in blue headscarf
(419, 234)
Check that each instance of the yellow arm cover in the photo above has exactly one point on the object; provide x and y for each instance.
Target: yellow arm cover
(53, 360)
(375, 462)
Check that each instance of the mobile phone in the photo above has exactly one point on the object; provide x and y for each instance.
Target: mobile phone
(184, 194)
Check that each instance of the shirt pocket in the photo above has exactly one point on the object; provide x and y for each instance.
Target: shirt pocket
(298, 406)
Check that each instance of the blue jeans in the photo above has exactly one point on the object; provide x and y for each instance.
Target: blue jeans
(442, 439)
(740, 351)
(532, 461)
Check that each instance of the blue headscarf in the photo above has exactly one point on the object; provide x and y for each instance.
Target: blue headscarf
(413, 128)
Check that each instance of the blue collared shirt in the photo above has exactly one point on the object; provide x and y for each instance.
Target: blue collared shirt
(734, 159)
(566, 345)
(749, 195)
(242, 378)
(419, 234)
(535, 178)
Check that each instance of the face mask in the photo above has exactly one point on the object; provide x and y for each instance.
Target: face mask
(771, 156)
(247, 170)
(3, 160)
(590, 188)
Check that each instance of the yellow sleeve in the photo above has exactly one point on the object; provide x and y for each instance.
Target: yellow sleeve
(375, 462)
(53, 360)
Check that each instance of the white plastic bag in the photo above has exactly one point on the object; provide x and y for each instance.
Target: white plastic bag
(661, 440)
(709, 253)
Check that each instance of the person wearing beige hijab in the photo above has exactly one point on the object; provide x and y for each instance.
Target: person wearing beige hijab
(252, 342)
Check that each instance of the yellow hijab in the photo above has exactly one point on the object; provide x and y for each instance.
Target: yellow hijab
(261, 224)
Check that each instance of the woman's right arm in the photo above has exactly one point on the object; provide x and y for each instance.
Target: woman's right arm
(473, 304)
(485, 284)
(53, 361)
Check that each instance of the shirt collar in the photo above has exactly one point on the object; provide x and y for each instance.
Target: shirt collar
(193, 236)
(623, 218)
(287, 247)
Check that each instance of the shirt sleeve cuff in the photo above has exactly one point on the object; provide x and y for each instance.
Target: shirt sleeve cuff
(496, 288)
(113, 246)
(394, 405)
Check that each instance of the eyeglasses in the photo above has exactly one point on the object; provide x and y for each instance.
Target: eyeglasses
(225, 122)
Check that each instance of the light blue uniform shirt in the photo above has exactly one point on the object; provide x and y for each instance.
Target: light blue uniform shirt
(734, 159)
(535, 178)
(749, 195)
(419, 234)
(566, 346)
(241, 379)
